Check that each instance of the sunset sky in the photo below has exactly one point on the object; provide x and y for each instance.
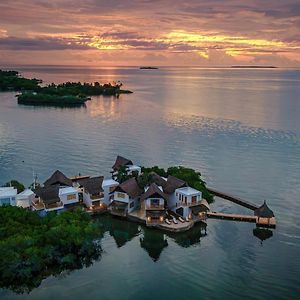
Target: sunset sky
(150, 32)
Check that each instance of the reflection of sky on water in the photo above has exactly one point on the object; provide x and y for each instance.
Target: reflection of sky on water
(239, 127)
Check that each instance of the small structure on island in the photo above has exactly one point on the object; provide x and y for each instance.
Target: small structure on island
(128, 164)
(264, 212)
(47, 199)
(8, 196)
(93, 193)
(25, 198)
(126, 197)
(154, 202)
(58, 178)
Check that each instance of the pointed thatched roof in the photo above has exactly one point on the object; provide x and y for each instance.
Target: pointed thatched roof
(154, 191)
(205, 204)
(58, 178)
(173, 183)
(121, 161)
(264, 211)
(48, 194)
(130, 187)
(92, 185)
(158, 179)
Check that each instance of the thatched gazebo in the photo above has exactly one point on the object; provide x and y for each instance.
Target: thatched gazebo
(264, 212)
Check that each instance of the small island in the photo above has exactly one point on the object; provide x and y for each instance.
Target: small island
(148, 68)
(254, 67)
(64, 94)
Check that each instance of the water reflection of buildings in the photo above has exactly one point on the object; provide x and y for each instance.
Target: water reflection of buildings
(262, 234)
(190, 237)
(121, 231)
(153, 241)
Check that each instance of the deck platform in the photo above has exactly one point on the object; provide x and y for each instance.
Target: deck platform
(260, 222)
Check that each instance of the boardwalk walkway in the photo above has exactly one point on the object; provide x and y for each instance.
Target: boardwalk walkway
(263, 222)
(233, 199)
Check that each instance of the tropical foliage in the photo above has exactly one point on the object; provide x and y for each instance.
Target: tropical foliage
(12, 81)
(64, 94)
(16, 184)
(190, 176)
(32, 248)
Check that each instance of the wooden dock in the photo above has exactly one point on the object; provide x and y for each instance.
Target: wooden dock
(233, 199)
(260, 222)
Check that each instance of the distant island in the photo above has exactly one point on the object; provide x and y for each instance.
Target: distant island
(254, 67)
(148, 68)
(65, 94)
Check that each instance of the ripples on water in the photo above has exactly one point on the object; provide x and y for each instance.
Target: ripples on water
(241, 128)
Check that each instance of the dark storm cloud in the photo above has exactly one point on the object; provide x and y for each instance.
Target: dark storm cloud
(37, 44)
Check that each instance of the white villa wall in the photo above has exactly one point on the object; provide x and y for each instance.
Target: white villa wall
(135, 202)
(117, 198)
(107, 185)
(8, 196)
(64, 193)
(172, 201)
(25, 198)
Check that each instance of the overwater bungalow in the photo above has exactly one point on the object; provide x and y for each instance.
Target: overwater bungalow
(127, 163)
(25, 198)
(8, 196)
(189, 202)
(108, 186)
(58, 178)
(47, 199)
(126, 198)
(93, 193)
(153, 204)
(264, 214)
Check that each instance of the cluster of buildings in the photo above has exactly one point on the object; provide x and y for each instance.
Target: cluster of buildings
(163, 201)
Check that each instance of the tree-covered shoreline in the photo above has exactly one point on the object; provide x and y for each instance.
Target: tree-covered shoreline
(64, 94)
(33, 248)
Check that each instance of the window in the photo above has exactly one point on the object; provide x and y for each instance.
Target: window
(154, 202)
(111, 189)
(121, 195)
(131, 204)
(71, 197)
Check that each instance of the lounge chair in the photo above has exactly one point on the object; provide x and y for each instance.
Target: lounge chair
(167, 221)
(181, 220)
(174, 220)
(187, 219)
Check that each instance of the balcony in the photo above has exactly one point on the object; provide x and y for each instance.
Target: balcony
(155, 207)
(37, 205)
(54, 206)
(96, 197)
(189, 204)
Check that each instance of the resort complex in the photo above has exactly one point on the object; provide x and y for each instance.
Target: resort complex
(167, 203)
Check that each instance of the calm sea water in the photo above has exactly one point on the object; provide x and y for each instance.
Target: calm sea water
(240, 128)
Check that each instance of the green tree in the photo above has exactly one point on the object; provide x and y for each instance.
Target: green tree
(16, 184)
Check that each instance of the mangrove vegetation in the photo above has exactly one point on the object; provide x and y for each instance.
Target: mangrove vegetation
(64, 94)
(33, 247)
